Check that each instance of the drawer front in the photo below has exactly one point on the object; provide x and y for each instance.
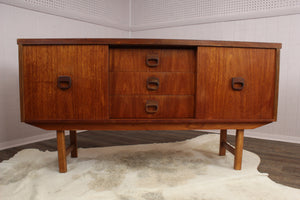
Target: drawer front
(152, 60)
(144, 83)
(149, 106)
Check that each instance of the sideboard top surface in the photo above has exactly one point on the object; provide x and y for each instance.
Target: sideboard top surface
(145, 42)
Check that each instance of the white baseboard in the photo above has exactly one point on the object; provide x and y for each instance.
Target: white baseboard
(264, 136)
(29, 140)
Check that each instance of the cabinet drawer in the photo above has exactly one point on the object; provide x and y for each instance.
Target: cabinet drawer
(154, 60)
(149, 106)
(143, 83)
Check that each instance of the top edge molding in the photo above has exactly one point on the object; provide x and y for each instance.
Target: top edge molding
(144, 42)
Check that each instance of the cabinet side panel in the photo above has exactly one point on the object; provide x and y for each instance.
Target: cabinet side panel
(216, 98)
(277, 83)
(21, 87)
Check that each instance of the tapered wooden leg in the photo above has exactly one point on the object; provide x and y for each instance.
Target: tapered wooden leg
(61, 150)
(73, 141)
(239, 143)
(223, 140)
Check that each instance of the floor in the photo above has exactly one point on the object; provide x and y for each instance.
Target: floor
(279, 159)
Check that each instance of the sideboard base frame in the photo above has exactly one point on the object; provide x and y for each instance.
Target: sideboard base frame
(146, 126)
(64, 151)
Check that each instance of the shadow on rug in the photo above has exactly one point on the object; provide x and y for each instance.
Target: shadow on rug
(188, 170)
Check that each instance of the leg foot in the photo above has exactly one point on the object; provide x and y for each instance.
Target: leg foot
(239, 143)
(61, 150)
(73, 141)
(223, 140)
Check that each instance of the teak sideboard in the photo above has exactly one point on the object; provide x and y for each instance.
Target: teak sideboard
(147, 84)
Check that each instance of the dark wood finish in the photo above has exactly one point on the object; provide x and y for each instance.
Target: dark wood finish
(215, 97)
(156, 121)
(21, 85)
(135, 83)
(146, 126)
(70, 149)
(229, 147)
(123, 106)
(276, 84)
(148, 42)
(223, 140)
(87, 98)
(126, 84)
(61, 151)
(73, 141)
(170, 60)
(238, 153)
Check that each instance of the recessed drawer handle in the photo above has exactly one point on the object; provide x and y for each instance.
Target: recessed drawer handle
(152, 83)
(151, 107)
(64, 82)
(152, 60)
(238, 83)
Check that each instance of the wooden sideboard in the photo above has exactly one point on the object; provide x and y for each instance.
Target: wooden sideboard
(147, 84)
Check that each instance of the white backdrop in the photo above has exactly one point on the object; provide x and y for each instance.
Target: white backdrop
(16, 22)
(20, 23)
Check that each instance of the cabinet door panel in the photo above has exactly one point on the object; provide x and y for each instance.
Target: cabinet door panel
(217, 100)
(86, 65)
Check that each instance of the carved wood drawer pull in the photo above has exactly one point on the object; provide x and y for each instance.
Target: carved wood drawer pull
(64, 82)
(238, 83)
(152, 60)
(151, 106)
(152, 83)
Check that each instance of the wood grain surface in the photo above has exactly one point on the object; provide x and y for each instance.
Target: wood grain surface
(135, 83)
(170, 60)
(87, 98)
(123, 106)
(147, 42)
(215, 97)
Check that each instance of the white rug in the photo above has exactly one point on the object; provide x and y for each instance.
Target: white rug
(189, 170)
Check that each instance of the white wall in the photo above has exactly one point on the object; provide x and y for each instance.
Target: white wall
(21, 23)
(153, 14)
(110, 13)
(283, 29)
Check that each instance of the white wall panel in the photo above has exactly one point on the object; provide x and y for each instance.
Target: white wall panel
(20, 23)
(149, 14)
(111, 13)
(188, 19)
(283, 29)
